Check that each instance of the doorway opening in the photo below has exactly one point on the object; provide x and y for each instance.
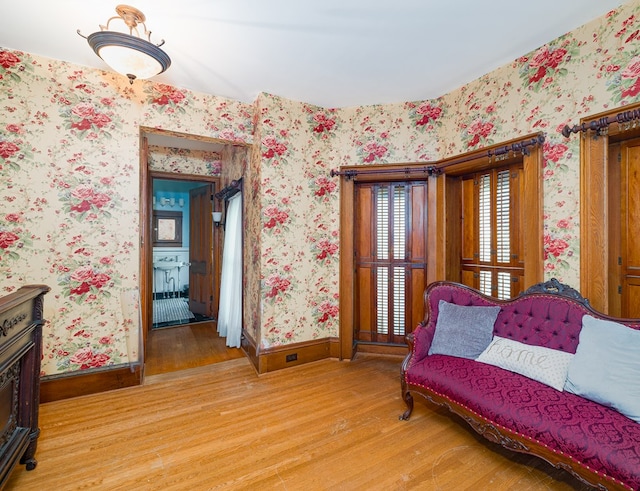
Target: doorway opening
(179, 238)
(172, 294)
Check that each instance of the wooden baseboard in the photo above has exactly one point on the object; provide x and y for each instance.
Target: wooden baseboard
(79, 384)
(382, 349)
(279, 357)
(250, 348)
(266, 360)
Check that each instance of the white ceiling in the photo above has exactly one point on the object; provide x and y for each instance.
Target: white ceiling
(333, 53)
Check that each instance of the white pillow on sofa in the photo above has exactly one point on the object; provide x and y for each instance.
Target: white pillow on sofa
(545, 365)
(606, 367)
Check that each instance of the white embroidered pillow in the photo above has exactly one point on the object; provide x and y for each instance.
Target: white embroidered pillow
(545, 365)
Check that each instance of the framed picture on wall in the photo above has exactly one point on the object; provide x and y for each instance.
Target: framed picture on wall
(167, 228)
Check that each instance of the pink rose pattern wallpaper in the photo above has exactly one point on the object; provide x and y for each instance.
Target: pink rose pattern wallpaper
(185, 161)
(69, 159)
(584, 72)
(69, 155)
(299, 250)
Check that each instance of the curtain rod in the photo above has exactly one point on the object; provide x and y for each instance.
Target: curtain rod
(430, 170)
(427, 169)
(498, 153)
(599, 124)
(228, 191)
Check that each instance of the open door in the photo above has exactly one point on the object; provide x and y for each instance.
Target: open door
(201, 251)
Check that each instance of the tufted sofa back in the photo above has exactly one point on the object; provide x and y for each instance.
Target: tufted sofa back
(541, 319)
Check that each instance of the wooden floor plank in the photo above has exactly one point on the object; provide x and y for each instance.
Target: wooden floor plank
(171, 349)
(324, 425)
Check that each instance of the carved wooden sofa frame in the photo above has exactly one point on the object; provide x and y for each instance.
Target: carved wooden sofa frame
(486, 425)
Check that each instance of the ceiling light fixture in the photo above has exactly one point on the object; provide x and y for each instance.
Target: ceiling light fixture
(129, 54)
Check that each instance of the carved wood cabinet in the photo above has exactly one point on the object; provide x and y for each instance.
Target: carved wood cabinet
(20, 355)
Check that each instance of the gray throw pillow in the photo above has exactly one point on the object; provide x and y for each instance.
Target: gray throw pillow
(463, 331)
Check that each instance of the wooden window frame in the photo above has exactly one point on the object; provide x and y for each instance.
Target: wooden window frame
(444, 226)
(473, 264)
(443, 222)
(376, 261)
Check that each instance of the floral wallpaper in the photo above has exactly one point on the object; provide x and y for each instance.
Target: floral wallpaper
(299, 223)
(184, 161)
(69, 155)
(587, 71)
(300, 144)
(252, 210)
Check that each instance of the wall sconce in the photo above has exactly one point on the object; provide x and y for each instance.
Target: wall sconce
(217, 218)
(129, 54)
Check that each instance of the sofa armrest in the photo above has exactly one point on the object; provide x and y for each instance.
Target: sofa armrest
(419, 342)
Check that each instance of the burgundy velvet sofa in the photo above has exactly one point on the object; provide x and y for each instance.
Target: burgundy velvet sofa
(595, 443)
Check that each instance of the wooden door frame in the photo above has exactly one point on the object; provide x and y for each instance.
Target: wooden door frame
(594, 202)
(146, 214)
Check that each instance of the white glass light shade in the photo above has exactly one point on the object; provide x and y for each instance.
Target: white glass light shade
(217, 216)
(129, 55)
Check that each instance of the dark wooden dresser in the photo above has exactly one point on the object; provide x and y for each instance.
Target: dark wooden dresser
(20, 355)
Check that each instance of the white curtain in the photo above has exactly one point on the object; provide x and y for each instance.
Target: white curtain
(230, 308)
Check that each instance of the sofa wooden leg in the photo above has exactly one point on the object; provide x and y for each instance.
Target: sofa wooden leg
(408, 399)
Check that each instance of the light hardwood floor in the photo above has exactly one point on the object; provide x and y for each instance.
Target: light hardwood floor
(171, 349)
(327, 425)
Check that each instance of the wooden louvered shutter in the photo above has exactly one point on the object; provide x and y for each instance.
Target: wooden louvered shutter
(390, 259)
(491, 240)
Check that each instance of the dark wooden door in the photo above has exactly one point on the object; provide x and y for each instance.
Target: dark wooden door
(630, 228)
(391, 259)
(201, 251)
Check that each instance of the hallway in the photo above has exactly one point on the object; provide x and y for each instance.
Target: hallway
(189, 346)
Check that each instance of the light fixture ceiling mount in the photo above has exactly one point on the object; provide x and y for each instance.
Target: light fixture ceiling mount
(129, 53)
